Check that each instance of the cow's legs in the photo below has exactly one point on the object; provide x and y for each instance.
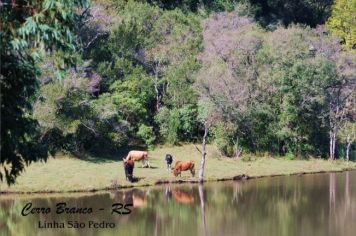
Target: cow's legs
(193, 172)
(148, 163)
(142, 163)
(126, 172)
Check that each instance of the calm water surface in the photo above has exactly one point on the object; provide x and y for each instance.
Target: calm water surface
(317, 204)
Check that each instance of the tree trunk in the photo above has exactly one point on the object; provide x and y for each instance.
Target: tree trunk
(332, 143)
(156, 85)
(203, 153)
(237, 151)
(348, 147)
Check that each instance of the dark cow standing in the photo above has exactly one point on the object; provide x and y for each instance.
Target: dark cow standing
(169, 160)
(129, 166)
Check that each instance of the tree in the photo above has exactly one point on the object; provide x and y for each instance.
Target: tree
(309, 78)
(174, 38)
(229, 70)
(283, 91)
(207, 117)
(341, 97)
(347, 135)
(28, 30)
(342, 22)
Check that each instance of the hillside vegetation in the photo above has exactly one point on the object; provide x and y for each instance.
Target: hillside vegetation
(260, 76)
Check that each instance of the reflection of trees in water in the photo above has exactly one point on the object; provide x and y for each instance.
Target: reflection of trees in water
(271, 206)
(168, 192)
(342, 206)
(332, 189)
(174, 207)
(347, 190)
(202, 207)
(19, 225)
(280, 205)
(237, 191)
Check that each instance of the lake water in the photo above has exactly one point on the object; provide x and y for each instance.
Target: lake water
(315, 204)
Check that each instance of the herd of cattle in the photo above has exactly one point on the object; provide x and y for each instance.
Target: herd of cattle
(129, 164)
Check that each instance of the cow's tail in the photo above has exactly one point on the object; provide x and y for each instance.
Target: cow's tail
(127, 158)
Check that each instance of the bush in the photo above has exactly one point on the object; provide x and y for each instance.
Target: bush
(146, 134)
(223, 137)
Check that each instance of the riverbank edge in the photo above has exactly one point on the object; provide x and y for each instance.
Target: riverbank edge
(179, 181)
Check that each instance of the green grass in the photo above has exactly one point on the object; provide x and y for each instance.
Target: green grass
(66, 174)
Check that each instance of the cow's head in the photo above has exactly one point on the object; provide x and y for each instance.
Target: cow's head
(175, 172)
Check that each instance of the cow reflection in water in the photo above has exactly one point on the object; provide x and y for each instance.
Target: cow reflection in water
(137, 198)
(183, 196)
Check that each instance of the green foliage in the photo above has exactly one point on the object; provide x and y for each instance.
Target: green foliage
(178, 124)
(292, 11)
(189, 122)
(28, 30)
(289, 156)
(347, 138)
(151, 55)
(180, 80)
(302, 81)
(173, 124)
(169, 124)
(342, 22)
(186, 5)
(273, 88)
(146, 134)
(348, 132)
(162, 70)
(224, 135)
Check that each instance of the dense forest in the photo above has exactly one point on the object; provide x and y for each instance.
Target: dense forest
(275, 76)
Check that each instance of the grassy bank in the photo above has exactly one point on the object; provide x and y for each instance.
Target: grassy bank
(65, 174)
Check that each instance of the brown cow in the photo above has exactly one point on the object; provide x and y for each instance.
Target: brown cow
(138, 156)
(183, 166)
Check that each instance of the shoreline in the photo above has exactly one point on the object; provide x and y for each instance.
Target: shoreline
(66, 174)
(180, 181)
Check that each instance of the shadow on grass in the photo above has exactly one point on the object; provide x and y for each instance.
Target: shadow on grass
(137, 179)
(108, 156)
(146, 167)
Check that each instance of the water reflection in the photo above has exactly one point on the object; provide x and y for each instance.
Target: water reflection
(183, 196)
(136, 197)
(202, 207)
(320, 204)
